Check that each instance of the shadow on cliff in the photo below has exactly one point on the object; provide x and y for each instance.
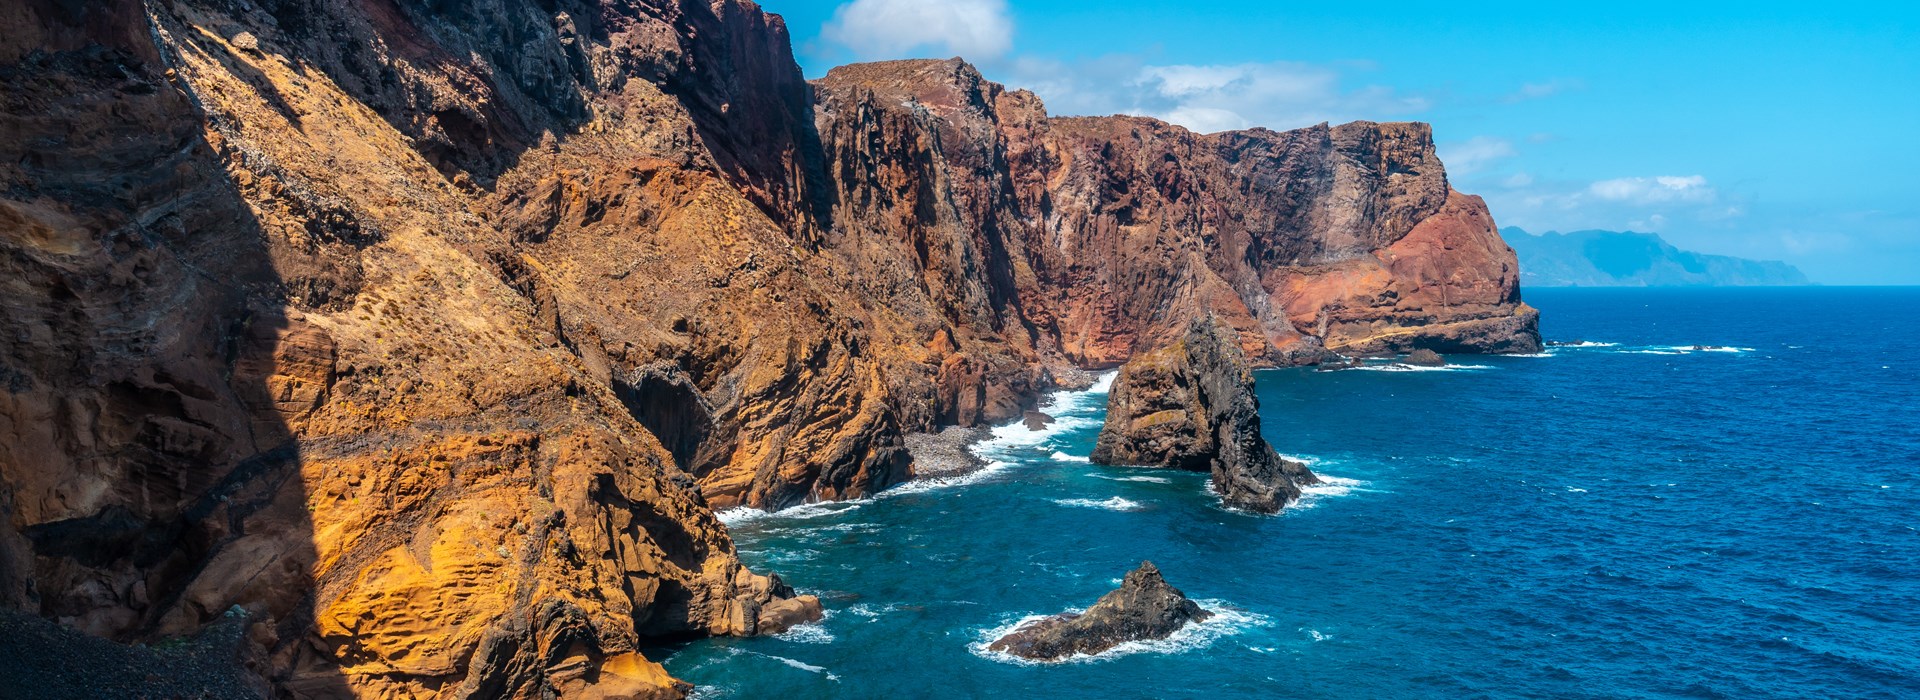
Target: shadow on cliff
(150, 485)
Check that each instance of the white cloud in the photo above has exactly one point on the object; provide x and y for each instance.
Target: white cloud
(1655, 190)
(1209, 98)
(1535, 91)
(1475, 154)
(874, 29)
(1662, 203)
(1655, 223)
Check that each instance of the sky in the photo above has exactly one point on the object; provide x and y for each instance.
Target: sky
(1769, 130)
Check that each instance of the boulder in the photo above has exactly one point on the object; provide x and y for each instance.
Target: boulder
(783, 614)
(1425, 358)
(1036, 420)
(1145, 606)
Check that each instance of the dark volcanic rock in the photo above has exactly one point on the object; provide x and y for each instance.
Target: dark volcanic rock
(1191, 406)
(1423, 357)
(1036, 420)
(1143, 607)
(1339, 363)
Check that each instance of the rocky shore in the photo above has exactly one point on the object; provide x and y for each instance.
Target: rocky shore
(946, 453)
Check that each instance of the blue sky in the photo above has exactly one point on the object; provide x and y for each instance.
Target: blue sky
(1786, 131)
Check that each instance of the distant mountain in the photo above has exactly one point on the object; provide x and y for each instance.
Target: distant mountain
(1629, 259)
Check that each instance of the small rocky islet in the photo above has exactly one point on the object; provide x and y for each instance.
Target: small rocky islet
(1144, 607)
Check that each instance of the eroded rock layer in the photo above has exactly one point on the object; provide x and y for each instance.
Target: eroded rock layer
(431, 334)
(1191, 406)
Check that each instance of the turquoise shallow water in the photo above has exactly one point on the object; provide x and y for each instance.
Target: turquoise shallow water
(1627, 519)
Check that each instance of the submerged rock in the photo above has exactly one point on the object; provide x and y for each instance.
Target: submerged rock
(1145, 606)
(1191, 406)
(1425, 358)
(1036, 420)
(1340, 363)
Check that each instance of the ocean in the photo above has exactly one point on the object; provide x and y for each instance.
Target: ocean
(1622, 516)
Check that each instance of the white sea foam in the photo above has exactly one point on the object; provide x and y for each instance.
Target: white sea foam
(1401, 367)
(1681, 349)
(805, 511)
(1585, 344)
(1575, 489)
(809, 633)
(1064, 457)
(1530, 354)
(1144, 479)
(1310, 496)
(1102, 384)
(976, 476)
(1329, 487)
(1070, 410)
(1115, 503)
(790, 555)
(1315, 634)
(870, 611)
(802, 665)
(1227, 621)
(1706, 348)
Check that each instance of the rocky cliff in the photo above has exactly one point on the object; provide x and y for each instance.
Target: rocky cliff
(429, 335)
(1095, 237)
(1190, 406)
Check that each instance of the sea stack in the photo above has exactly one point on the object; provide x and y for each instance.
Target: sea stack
(1190, 406)
(1145, 606)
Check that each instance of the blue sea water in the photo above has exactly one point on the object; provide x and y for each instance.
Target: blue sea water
(1630, 518)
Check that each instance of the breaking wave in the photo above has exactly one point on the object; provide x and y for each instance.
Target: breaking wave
(1115, 503)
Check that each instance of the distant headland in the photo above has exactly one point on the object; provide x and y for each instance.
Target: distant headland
(1630, 259)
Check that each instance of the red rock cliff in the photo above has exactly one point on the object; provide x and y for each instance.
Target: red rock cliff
(1096, 237)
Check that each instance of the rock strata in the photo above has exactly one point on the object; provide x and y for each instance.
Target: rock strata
(1191, 406)
(1144, 607)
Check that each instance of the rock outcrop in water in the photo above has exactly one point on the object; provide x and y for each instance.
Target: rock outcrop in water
(431, 334)
(1144, 607)
(1190, 406)
(1423, 357)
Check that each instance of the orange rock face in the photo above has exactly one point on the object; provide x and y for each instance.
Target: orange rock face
(432, 336)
